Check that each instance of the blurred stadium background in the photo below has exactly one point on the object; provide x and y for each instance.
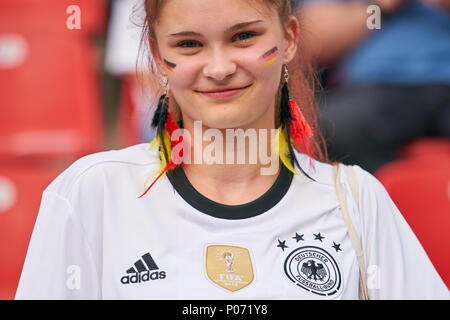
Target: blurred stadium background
(65, 93)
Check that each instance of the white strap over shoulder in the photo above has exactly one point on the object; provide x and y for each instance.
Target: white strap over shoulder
(355, 240)
(350, 172)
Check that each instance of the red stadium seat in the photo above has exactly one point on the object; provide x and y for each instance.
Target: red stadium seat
(426, 146)
(420, 187)
(51, 15)
(50, 108)
(21, 187)
(49, 82)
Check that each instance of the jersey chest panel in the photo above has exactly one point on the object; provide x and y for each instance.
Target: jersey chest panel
(166, 251)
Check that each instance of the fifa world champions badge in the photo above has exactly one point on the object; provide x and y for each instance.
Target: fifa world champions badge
(229, 267)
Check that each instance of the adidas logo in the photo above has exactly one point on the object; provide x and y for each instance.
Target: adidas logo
(143, 270)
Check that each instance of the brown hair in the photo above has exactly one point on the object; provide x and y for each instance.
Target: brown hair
(303, 81)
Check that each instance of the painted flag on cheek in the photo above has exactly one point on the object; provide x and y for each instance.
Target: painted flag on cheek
(270, 57)
(169, 66)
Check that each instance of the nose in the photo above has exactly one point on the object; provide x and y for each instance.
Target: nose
(219, 66)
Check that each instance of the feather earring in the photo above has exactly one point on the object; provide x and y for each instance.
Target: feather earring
(292, 121)
(301, 132)
(158, 122)
(165, 125)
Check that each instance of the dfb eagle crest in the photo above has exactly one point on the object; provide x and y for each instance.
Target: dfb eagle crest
(314, 269)
(311, 269)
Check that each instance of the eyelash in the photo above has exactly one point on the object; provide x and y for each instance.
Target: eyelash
(251, 33)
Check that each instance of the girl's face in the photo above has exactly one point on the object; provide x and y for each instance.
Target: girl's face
(223, 60)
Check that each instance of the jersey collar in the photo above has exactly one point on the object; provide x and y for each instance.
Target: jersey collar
(254, 208)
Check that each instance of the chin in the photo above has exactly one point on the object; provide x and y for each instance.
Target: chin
(223, 122)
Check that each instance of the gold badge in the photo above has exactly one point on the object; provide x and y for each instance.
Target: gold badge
(229, 267)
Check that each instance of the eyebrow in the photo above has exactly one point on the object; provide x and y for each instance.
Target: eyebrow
(231, 29)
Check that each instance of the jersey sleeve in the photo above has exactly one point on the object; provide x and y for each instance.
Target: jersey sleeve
(59, 262)
(397, 265)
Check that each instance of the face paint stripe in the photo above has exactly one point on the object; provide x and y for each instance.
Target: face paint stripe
(272, 56)
(268, 63)
(169, 66)
(269, 54)
(169, 71)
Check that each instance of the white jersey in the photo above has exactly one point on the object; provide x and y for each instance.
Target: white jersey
(94, 239)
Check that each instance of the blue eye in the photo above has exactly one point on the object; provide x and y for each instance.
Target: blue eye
(187, 44)
(245, 35)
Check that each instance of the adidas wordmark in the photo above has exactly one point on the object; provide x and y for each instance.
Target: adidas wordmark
(143, 272)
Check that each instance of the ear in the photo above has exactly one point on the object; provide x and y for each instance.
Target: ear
(291, 39)
(155, 54)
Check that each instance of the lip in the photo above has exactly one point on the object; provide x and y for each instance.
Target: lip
(224, 93)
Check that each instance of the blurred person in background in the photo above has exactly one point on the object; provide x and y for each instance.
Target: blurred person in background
(384, 87)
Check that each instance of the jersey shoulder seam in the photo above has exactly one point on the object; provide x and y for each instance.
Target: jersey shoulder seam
(80, 167)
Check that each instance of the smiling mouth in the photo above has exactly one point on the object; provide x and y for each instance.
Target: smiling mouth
(223, 93)
(225, 90)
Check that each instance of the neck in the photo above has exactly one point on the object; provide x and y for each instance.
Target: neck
(233, 166)
(230, 185)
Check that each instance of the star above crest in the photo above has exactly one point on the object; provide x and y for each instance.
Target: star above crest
(282, 244)
(318, 237)
(298, 237)
(337, 247)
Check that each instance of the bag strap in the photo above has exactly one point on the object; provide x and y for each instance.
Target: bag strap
(353, 183)
(355, 240)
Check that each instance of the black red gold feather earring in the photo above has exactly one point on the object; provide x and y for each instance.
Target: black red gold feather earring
(165, 127)
(161, 114)
(300, 131)
(291, 118)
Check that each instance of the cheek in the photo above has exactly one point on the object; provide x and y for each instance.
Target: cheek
(269, 57)
(263, 64)
(183, 75)
(265, 68)
(182, 81)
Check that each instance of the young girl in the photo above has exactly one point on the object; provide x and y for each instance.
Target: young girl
(184, 218)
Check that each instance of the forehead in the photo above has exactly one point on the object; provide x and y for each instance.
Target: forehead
(212, 14)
